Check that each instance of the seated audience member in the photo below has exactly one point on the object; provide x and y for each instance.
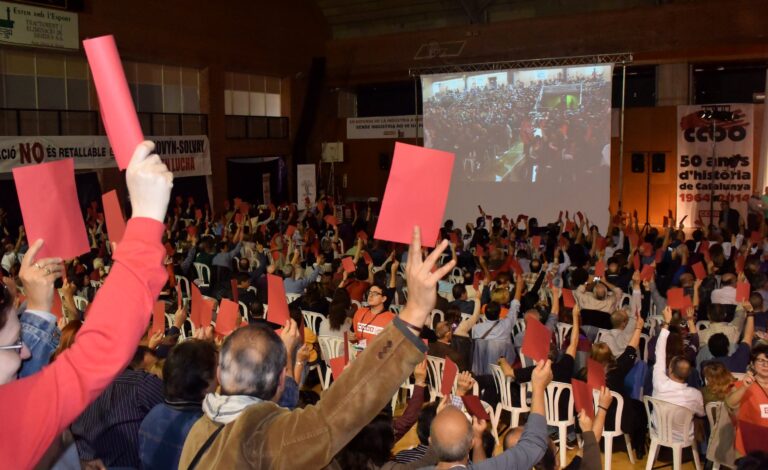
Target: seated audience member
(459, 292)
(732, 330)
(623, 323)
(338, 320)
(726, 294)
(35, 410)
(452, 436)
(426, 416)
(748, 400)
(189, 372)
(358, 285)
(370, 321)
(464, 326)
(296, 280)
(310, 339)
(718, 382)
(442, 347)
(673, 388)
(718, 347)
(108, 430)
(496, 328)
(314, 300)
(252, 431)
(601, 295)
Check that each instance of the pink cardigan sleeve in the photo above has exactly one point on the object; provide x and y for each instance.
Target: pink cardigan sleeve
(37, 408)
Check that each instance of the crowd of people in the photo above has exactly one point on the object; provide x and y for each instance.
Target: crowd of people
(482, 124)
(660, 313)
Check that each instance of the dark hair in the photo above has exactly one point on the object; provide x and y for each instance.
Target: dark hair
(337, 314)
(547, 461)
(761, 348)
(6, 306)
(755, 460)
(492, 311)
(251, 361)
(716, 312)
(680, 367)
(425, 421)
(489, 443)
(718, 345)
(189, 370)
(458, 290)
(373, 444)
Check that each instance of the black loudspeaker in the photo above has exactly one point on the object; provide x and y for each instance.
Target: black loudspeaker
(385, 161)
(638, 163)
(659, 162)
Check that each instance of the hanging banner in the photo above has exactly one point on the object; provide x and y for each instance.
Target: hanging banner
(715, 161)
(306, 186)
(28, 25)
(265, 189)
(187, 155)
(384, 127)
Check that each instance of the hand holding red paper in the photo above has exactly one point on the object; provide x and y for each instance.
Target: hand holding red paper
(113, 213)
(277, 311)
(449, 376)
(536, 340)
(227, 318)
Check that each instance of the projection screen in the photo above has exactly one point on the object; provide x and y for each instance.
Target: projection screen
(526, 141)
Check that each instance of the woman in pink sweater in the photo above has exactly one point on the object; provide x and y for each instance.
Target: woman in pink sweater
(36, 409)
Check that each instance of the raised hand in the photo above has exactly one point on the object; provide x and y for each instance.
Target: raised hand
(464, 383)
(38, 277)
(420, 373)
(542, 375)
(149, 183)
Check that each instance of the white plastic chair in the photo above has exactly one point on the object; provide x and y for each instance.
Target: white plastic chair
(395, 308)
(702, 325)
(81, 303)
(203, 274)
(312, 320)
(713, 409)
(330, 347)
(251, 289)
(553, 395)
(183, 283)
(504, 385)
(433, 315)
(563, 332)
(292, 297)
(599, 335)
(653, 322)
(616, 432)
(243, 310)
(435, 367)
(670, 425)
(642, 351)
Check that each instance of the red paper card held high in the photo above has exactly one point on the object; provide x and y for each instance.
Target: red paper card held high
(677, 300)
(277, 311)
(583, 398)
(158, 317)
(449, 376)
(416, 194)
(568, 300)
(114, 216)
(228, 317)
(742, 291)
(50, 209)
(536, 340)
(115, 102)
(699, 271)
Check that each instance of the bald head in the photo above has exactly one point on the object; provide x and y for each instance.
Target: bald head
(512, 437)
(451, 435)
(251, 363)
(728, 279)
(443, 330)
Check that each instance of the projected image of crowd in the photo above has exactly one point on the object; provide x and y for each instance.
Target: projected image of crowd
(543, 126)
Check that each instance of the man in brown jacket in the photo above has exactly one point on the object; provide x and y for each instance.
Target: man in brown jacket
(244, 428)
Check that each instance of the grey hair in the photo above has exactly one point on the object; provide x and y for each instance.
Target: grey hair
(251, 361)
(452, 451)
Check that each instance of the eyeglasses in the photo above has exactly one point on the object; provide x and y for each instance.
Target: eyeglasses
(373, 292)
(761, 362)
(18, 346)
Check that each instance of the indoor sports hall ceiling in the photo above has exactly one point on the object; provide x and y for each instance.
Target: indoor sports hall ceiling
(355, 18)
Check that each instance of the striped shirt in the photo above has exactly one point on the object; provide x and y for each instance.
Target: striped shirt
(411, 455)
(109, 428)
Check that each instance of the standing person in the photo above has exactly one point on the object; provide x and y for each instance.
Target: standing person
(749, 399)
(369, 321)
(36, 409)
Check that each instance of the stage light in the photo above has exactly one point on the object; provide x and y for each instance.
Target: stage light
(706, 114)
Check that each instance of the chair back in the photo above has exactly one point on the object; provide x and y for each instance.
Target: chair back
(713, 411)
(702, 325)
(563, 332)
(243, 310)
(203, 274)
(614, 427)
(312, 320)
(599, 335)
(553, 395)
(668, 423)
(292, 297)
(642, 349)
(81, 303)
(183, 283)
(435, 316)
(435, 368)
(330, 347)
(504, 385)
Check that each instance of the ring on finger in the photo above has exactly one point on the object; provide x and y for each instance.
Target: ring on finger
(37, 265)
(47, 271)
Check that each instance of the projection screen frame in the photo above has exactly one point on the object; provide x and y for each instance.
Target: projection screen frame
(622, 59)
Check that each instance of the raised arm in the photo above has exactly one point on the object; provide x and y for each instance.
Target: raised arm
(574, 344)
(660, 367)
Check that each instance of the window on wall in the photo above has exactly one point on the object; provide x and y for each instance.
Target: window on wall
(640, 89)
(252, 95)
(730, 82)
(164, 88)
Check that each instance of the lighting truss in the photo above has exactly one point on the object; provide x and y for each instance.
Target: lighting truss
(623, 58)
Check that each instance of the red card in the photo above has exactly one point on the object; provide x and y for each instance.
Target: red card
(583, 398)
(337, 366)
(206, 313)
(416, 194)
(362, 235)
(568, 300)
(515, 266)
(192, 230)
(756, 237)
(536, 339)
(114, 215)
(198, 214)
(595, 374)
(740, 264)
(699, 270)
(742, 291)
(56, 308)
(277, 305)
(158, 317)
(169, 249)
(348, 264)
(752, 436)
(196, 299)
(239, 218)
(179, 298)
(677, 300)
(454, 238)
(330, 220)
(228, 317)
(49, 206)
(235, 292)
(536, 242)
(476, 281)
(569, 226)
(115, 102)
(647, 273)
(449, 376)
(290, 230)
(647, 249)
(346, 347)
(600, 243)
(479, 251)
(474, 407)
(633, 239)
(600, 268)
(704, 246)
(367, 258)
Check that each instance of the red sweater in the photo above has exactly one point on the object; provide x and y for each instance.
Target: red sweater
(36, 409)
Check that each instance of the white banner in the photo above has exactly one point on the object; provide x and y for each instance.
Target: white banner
(41, 27)
(187, 155)
(306, 186)
(713, 169)
(384, 127)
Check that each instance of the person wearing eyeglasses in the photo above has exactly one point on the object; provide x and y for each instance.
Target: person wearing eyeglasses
(749, 402)
(369, 321)
(36, 409)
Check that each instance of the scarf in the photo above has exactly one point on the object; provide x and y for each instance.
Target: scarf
(224, 409)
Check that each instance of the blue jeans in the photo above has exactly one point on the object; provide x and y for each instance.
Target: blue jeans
(42, 338)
